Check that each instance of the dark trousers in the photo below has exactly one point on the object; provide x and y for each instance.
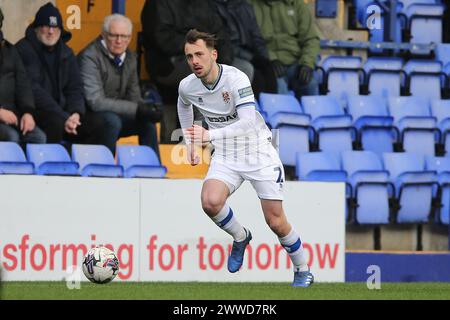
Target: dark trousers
(120, 126)
(93, 129)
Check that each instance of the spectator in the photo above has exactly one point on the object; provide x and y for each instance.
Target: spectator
(56, 83)
(248, 43)
(16, 98)
(293, 43)
(111, 84)
(165, 24)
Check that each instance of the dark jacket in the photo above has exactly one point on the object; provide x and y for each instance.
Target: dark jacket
(15, 87)
(239, 18)
(106, 86)
(165, 24)
(70, 90)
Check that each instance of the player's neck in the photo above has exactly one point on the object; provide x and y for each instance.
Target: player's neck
(212, 76)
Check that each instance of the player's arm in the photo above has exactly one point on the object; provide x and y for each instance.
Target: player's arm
(186, 117)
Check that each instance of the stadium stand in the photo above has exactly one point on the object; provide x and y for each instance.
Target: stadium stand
(374, 124)
(417, 127)
(51, 159)
(425, 78)
(414, 186)
(442, 166)
(12, 159)
(285, 114)
(370, 186)
(441, 110)
(329, 119)
(95, 161)
(384, 76)
(139, 162)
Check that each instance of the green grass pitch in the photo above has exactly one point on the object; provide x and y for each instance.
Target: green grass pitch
(222, 291)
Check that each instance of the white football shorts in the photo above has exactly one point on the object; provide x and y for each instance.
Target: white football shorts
(267, 181)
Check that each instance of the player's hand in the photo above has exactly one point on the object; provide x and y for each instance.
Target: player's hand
(8, 117)
(72, 123)
(197, 134)
(27, 123)
(193, 158)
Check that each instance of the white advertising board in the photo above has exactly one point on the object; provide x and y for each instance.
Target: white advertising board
(158, 229)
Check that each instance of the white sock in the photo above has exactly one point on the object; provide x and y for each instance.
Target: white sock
(294, 247)
(226, 220)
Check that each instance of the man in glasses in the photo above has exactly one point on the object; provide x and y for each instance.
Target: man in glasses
(111, 84)
(56, 83)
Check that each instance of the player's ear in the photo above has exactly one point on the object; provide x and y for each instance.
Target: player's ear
(214, 54)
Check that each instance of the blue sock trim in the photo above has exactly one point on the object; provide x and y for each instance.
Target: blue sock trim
(293, 247)
(227, 219)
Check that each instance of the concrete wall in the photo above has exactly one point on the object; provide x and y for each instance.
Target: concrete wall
(18, 15)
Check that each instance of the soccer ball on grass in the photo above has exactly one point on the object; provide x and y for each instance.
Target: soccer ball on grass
(100, 265)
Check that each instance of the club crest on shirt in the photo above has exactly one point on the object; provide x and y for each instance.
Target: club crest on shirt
(200, 101)
(226, 96)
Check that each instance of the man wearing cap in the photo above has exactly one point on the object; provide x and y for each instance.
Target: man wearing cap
(111, 84)
(16, 98)
(56, 82)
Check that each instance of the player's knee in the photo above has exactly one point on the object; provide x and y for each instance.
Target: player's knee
(212, 204)
(276, 224)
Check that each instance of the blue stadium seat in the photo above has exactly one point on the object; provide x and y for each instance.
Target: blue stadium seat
(385, 76)
(425, 24)
(51, 159)
(371, 186)
(442, 166)
(333, 126)
(342, 76)
(414, 186)
(418, 128)
(441, 110)
(425, 78)
(140, 162)
(374, 124)
(443, 55)
(12, 159)
(285, 114)
(319, 166)
(95, 161)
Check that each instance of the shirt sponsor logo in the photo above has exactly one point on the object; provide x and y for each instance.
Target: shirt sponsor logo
(245, 92)
(224, 118)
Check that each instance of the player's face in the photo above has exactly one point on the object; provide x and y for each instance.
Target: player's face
(200, 58)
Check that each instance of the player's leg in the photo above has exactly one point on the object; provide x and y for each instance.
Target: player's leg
(289, 239)
(219, 184)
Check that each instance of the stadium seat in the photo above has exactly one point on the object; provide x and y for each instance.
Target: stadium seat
(425, 78)
(342, 76)
(95, 161)
(334, 130)
(385, 76)
(12, 159)
(294, 131)
(370, 185)
(425, 24)
(374, 124)
(319, 166)
(442, 166)
(51, 159)
(140, 162)
(414, 186)
(441, 110)
(443, 55)
(417, 127)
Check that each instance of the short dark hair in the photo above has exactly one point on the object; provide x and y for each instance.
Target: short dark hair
(193, 35)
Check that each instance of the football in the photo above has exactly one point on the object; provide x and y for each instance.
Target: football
(100, 265)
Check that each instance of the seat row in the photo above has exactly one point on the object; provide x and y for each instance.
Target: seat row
(85, 160)
(394, 188)
(321, 123)
(418, 21)
(343, 76)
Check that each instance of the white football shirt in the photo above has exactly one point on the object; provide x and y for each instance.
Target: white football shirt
(249, 150)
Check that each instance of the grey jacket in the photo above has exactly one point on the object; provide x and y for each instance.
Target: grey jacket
(106, 86)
